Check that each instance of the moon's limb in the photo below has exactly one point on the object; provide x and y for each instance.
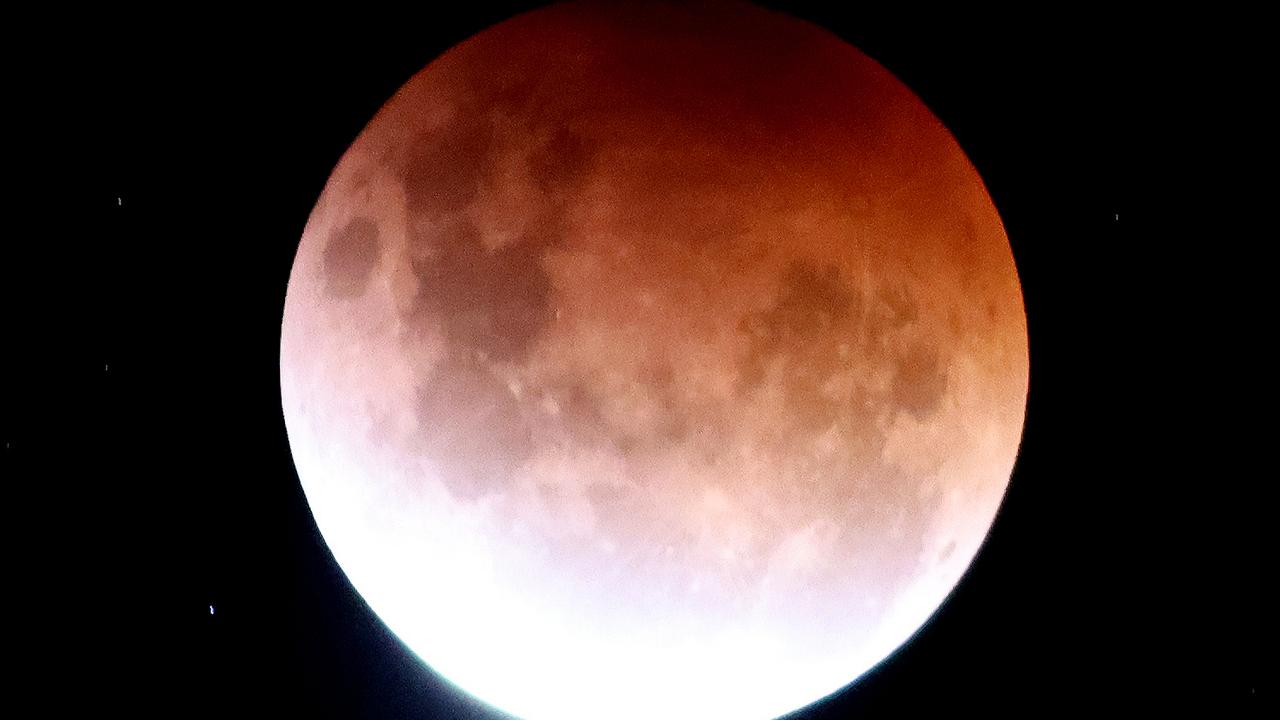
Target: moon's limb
(690, 356)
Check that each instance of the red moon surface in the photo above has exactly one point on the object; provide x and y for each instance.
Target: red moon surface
(654, 360)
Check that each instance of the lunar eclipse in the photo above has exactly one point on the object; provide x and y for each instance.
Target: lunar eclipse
(664, 358)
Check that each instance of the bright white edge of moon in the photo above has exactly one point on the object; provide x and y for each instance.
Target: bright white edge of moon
(545, 668)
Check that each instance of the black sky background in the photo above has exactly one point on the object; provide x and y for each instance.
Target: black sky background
(150, 474)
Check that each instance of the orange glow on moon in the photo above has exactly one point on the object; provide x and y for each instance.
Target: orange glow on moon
(649, 360)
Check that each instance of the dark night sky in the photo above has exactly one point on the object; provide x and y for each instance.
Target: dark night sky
(153, 472)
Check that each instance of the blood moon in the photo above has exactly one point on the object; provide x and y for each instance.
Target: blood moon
(654, 360)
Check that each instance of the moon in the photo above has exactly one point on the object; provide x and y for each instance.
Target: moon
(651, 360)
